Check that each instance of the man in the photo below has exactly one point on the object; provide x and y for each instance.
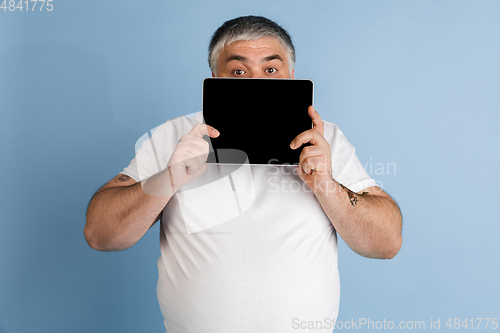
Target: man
(275, 264)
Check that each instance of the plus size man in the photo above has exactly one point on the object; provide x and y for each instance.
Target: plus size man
(273, 263)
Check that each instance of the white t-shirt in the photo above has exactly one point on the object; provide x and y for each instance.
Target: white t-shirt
(247, 248)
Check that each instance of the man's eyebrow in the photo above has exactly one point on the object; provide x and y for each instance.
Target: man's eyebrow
(236, 57)
(265, 59)
(272, 57)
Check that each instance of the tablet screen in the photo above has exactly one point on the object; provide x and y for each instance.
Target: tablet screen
(257, 119)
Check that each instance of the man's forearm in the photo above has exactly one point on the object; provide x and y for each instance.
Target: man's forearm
(117, 217)
(370, 223)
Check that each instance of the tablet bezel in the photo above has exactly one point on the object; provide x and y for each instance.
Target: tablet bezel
(299, 81)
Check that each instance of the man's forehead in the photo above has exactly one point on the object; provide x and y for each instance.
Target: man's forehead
(268, 48)
(259, 44)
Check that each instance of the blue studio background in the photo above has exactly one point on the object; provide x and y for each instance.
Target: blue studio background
(414, 85)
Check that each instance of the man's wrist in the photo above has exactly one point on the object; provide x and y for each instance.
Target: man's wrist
(326, 186)
(160, 184)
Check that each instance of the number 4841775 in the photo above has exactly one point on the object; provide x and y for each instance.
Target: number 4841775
(26, 5)
(481, 323)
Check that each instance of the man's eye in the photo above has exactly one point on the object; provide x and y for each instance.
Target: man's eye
(238, 72)
(271, 70)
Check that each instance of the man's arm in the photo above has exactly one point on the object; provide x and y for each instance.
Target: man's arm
(369, 222)
(121, 212)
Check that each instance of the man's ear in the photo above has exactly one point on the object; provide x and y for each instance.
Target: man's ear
(213, 75)
(293, 73)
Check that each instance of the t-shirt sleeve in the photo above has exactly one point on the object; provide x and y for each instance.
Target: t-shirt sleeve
(346, 167)
(153, 151)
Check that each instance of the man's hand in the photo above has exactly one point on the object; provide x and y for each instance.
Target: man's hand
(189, 158)
(315, 165)
(371, 228)
(122, 211)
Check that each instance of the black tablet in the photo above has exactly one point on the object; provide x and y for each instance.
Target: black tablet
(257, 119)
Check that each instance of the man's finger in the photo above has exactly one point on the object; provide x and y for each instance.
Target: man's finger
(311, 136)
(316, 120)
(192, 165)
(311, 151)
(199, 130)
(196, 148)
(314, 163)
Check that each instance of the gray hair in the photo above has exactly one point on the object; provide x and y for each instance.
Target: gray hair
(248, 28)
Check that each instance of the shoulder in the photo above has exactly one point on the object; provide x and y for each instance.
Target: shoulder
(171, 130)
(165, 136)
(334, 135)
(155, 147)
(180, 125)
(331, 127)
